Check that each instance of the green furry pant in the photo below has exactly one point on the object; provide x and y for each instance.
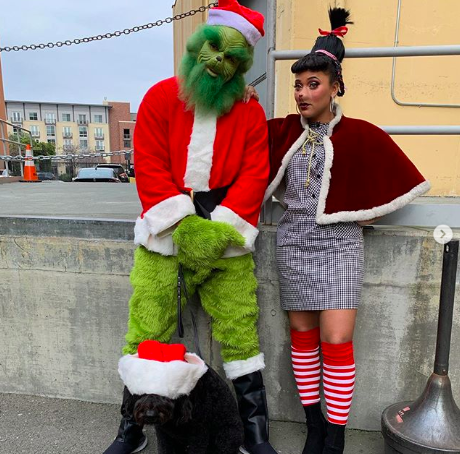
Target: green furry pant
(227, 294)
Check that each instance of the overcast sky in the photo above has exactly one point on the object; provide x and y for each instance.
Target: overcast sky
(120, 69)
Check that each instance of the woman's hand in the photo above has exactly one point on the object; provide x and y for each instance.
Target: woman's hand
(371, 221)
(250, 92)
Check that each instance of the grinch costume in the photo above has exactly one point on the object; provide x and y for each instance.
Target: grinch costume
(202, 168)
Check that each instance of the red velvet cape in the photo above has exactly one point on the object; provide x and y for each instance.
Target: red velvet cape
(366, 175)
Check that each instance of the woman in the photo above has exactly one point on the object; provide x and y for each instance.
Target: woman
(333, 174)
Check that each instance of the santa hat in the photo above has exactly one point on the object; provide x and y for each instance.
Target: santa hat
(248, 22)
(162, 369)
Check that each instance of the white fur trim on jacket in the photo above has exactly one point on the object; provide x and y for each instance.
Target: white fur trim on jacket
(200, 152)
(172, 379)
(236, 369)
(275, 184)
(166, 213)
(224, 214)
(236, 21)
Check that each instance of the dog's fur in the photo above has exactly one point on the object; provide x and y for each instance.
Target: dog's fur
(205, 422)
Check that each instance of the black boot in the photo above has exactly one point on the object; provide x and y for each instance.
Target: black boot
(252, 404)
(130, 438)
(335, 439)
(317, 429)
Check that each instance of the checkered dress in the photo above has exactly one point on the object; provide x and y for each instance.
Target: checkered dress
(320, 266)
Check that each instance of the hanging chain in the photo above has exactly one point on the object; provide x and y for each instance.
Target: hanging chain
(115, 34)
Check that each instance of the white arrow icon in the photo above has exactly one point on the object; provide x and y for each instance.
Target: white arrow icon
(443, 234)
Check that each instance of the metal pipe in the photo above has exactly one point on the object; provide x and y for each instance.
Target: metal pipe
(446, 308)
(271, 63)
(393, 74)
(422, 130)
(378, 52)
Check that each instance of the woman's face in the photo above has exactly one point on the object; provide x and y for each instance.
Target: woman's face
(313, 92)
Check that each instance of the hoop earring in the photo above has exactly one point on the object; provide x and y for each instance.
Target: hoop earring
(331, 105)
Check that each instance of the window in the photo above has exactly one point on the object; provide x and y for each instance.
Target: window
(100, 145)
(127, 143)
(82, 119)
(50, 118)
(126, 134)
(83, 131)
(68, 145)
(33, 116)
(65, 117)
(35, 131)
(51, 130)
(53, 141)
(97, 118)
(16, 116)
(66, 131)
(99, 133)
(83, 144)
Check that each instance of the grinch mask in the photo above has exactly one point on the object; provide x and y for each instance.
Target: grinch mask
(213, 67)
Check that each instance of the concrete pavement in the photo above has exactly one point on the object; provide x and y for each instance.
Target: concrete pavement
(38, 425)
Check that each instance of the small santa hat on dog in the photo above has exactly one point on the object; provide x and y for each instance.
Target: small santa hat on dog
(248, 22)
(162, 369)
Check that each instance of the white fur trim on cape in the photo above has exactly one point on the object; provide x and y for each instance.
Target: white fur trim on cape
(200, 151)
(224, 214)
(173, 379)
(236, 369)
(382, 210)
(236, 21)
(275, 184)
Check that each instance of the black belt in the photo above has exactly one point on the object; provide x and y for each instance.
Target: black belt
(205, 203)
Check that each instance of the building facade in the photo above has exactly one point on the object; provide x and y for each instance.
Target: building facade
(121, 129)
(73, 128)
(420, 81)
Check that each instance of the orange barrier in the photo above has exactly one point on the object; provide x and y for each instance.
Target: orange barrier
(30, 173)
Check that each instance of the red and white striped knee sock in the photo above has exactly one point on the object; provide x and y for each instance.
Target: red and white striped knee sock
(338, 380)
(306, 364)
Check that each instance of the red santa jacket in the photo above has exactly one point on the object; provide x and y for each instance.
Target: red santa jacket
(366, 175)
(177, 151)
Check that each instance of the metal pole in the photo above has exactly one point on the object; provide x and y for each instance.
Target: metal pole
(271, 63)
(446, 308)
(2, 126)
(377, 52)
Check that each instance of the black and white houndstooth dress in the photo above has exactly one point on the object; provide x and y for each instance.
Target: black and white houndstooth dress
(320, 266)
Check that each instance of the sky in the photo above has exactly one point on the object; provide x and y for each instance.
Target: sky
(119, 69)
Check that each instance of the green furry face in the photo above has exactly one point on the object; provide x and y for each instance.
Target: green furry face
(223, 52)
(212, 69)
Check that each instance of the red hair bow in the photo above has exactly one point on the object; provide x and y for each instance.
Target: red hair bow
(340, 31)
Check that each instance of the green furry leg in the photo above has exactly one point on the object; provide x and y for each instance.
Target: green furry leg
(153, 304)
(229, 297)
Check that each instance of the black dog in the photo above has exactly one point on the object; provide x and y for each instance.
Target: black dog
(204, 422)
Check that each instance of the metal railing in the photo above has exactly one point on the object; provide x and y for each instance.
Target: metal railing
(5, 141)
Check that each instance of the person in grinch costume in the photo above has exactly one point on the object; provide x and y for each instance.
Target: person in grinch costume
(202, 168)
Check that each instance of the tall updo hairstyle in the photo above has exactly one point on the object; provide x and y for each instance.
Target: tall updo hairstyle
(328, 52)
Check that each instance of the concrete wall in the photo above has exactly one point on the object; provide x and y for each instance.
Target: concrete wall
(64, 292)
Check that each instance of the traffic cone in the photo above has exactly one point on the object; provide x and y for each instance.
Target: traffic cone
(30, 173)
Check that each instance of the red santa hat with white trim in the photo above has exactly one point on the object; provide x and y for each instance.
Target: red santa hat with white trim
(162, 369)
(248, 22)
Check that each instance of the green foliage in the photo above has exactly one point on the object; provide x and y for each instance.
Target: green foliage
(65, 177)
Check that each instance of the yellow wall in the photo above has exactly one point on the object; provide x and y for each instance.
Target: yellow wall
(185, 27)
(418, 79)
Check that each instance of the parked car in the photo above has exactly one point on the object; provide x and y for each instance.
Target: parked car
(119, 171)
(46, 176)
(92, 174)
